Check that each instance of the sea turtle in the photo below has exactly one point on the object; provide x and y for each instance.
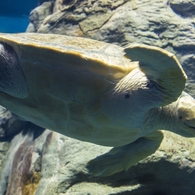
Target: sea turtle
(96, 92)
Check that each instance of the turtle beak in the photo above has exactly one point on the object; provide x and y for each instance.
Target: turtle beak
(190, 119)
(186, 113)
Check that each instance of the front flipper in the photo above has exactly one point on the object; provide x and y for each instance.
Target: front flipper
(122, 158)
(159, 66)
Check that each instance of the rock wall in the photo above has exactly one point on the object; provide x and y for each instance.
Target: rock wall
(52, 164)
(47, 163)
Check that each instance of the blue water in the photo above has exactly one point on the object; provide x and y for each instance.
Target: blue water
(14, 14)
(11, 24)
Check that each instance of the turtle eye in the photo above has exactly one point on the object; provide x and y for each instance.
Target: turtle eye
(126, 96)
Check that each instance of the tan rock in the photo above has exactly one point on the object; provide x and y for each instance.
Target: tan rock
(53, 164)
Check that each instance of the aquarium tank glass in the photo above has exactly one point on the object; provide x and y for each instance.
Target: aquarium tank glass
(14, 14)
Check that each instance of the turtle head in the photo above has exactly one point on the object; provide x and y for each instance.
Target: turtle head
(186, 113)
(12, 79)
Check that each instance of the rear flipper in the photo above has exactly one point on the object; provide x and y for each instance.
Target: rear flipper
(12, 79)
(122, 158)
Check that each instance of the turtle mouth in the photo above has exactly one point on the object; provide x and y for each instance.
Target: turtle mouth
(190, 130)
(191, 127)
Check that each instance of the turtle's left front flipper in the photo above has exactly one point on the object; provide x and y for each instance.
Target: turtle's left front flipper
(161, 67)
(122, 158)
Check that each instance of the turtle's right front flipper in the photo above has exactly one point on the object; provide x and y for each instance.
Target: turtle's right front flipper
(160, 67)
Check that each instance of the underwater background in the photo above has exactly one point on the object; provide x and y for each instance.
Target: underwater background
(14, 14)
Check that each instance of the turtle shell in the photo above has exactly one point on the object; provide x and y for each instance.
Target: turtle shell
(68, 79)
(58, 64)
(86, 89)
